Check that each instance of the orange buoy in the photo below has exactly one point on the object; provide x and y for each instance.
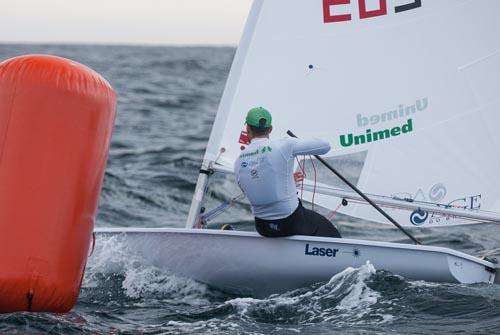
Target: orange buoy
(56, 119)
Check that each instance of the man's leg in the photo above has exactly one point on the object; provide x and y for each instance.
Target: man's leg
(291, 225)
(323, 227)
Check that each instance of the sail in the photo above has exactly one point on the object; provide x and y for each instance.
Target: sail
(408, 88)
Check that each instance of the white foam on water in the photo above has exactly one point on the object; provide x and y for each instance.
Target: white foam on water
(219, 326)
(146, 281)
(387, 318)
(356, 305)
(211, 325)
(360, 295)
(141, 280)
(108, 257)
(421, 283)
(345, 299)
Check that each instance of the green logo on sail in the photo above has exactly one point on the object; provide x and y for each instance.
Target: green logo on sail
(373, 136)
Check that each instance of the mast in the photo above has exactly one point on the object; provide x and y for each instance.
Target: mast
(199, 195)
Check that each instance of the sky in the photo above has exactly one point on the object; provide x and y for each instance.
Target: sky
(151, 22)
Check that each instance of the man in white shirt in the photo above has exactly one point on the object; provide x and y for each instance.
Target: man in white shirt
(264, 172)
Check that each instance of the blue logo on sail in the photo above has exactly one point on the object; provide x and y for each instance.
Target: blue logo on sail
(418, 217)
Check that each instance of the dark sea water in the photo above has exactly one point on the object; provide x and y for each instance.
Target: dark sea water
(167, 102)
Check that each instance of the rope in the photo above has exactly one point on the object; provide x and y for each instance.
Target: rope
(314, 188)
(302, 181)
(331, 215)
(302, 169)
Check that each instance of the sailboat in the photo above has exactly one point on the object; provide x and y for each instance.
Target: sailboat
(406, 89)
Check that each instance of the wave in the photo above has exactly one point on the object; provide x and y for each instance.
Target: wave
(113, 267)
(361, 299)
(345, 300)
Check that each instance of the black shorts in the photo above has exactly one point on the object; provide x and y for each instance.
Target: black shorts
(302, 221)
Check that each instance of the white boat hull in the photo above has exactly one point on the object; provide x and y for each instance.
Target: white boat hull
(246, 263)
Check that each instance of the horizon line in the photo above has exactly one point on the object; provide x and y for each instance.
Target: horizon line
(124, 44)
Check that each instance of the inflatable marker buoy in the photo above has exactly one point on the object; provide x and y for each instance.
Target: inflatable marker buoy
(56, 118)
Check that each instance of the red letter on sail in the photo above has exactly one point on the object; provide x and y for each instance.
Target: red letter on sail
(328, 17)
(364, 14)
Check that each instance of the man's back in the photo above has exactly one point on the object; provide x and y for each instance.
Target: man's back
(264, 171)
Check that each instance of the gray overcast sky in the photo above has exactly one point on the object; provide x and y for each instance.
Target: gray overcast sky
(214, 22)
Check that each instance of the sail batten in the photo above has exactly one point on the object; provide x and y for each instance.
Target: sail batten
(445, 214)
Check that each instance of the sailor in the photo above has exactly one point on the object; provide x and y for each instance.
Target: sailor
(264, 172)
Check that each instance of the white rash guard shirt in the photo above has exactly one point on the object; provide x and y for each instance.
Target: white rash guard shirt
(264, 172)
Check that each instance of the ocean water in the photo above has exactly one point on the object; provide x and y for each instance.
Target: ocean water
(167, 102)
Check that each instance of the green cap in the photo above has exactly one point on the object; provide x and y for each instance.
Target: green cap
(259, 117)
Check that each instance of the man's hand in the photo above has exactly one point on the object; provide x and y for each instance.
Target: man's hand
(298, 177)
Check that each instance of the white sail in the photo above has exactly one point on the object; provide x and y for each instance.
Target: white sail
(410, 86)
